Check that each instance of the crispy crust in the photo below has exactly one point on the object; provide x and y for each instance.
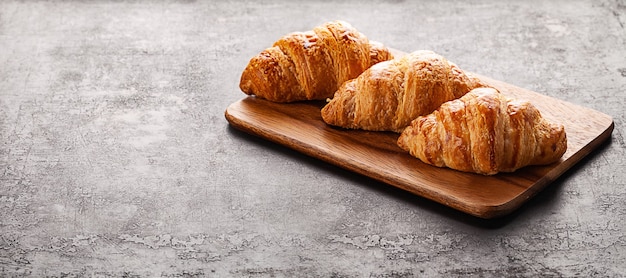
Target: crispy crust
(486, 133)
(311, 65)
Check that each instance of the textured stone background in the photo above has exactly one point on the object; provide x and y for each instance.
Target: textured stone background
(116, 159)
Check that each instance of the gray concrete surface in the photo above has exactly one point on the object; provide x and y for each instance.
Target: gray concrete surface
(116, 159)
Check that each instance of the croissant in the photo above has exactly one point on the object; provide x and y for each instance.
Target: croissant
(486, 133)
(311, 65)
(389, 95)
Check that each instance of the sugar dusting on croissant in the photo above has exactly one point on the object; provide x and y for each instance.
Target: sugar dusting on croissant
(484, 132)
(311, 65)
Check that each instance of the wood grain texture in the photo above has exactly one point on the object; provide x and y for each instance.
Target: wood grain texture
(375, 154)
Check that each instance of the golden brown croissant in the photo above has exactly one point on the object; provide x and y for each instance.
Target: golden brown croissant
(389, 95)
(311, 65)
(486, 133)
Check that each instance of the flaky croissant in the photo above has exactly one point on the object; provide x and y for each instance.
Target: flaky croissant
(390, 94)
(311, 65)
(484, 132)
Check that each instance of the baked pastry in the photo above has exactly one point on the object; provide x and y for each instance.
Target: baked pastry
(311, 65)
(486, 133)
(389, 95)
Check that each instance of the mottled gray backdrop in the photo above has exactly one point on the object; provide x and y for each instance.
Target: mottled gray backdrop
(116, 159)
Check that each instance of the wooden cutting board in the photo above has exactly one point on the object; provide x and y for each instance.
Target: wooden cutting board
(375, 154)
